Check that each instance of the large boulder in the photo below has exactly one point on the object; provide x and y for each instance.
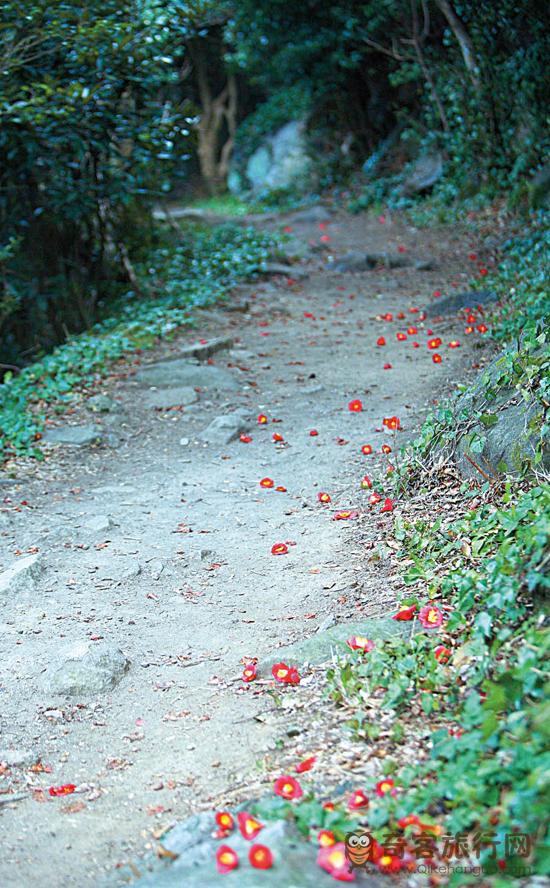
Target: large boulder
(281, 161)
(86, 669)
(425, 173)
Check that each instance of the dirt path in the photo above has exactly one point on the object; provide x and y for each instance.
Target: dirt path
(161, 546)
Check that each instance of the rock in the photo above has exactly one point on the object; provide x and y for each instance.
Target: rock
(85, 669)
(22, 575)
(290, 271)
(102, 404)
(457, 301)
(99, 524)
(310, 216)
(327, 623)
(164, 399)
(118, 570)
(224, 429)
(281, 161)
(424, 265)
(204, 350)
(76, 436)
(508, 428)
(312, 389)
(294, 859)
(171, 374)
(426, 172)
(19, 758)
(357, 260)
(318, 648)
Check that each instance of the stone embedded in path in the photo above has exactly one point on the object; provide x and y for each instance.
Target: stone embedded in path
(76, 436)
(170, 374)
(102, 404)
(458, 301)
(85, 669)
(311, 215)
(290, 271)
(357, 260)
(318, 648)
(294, 859)
(99, 524)
(19, 758)
(204, 350)
(164, 399)
(22, 575)
(224, 429)
(427, 170)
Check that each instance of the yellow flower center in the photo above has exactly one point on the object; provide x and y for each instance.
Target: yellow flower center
(385, 860)
(337, 859)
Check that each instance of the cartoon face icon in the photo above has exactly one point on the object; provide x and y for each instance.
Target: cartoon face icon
(358, 848)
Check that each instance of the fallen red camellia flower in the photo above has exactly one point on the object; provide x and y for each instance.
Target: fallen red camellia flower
(401, 336)
(385, 448)
(472, 257)
(388, 316)
(380, 341)
(65, 789)
(442, 653)
(326, 838)
(366, 483)
(267, 482)
(374, 498)
(434, 343)
(323, 497)
(437, 359)
(385, 787)
(262, 419)
(355, 406)
(249, 672)
(225, 821)
(392, 422)
(366, 449)
(279, 549)
(483, 272)
(406, 613)
(454, 343)
(226, 859)
(416, 345)
(482, 328)
(248, 825)
(276, 436)
(388, 505)
(401, 315)
(333, 860)
(346, 515)
(390, 863)
(358, 799)
(245, 439)
(388, 367)
(288, 788)
(313, 433)
(260, 857)
(430, 617)
(285, 674)
(306, 764)
(280, 489)
(409, 820)
(412, 331)
(360, 643)
(308, 314)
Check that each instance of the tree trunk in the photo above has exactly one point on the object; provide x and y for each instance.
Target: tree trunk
(463, 39)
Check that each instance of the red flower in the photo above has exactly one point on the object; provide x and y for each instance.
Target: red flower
(401, 336)
(225, 821)
(380, 341)
(388, 505)
(388, 367)
(388, 316)
(287, 229)
(366, 483)
(293, 676)
(326, 838)
(288, 788)
(454, 343)
(442, 654)
(390, 863)
(328, 806)
(267, 482)
(249, 672)
(285, 674)
(325, 238)
(65, 789)
(483, 272)
(306, 764)
(471, 319)
(374, 498)
(355, 406)
(323, 497)
(245, 439)
(385, 787)
(308, 314)
(482, 328)
(248, 825)
(409, 820)
(472, 257)
(401, 315)
(468, 330)
(430, 617)
(392, 422)
(279, 549)
(386, 448)
(313, 433)
(358, 799)
(412, 331)
(344, 516)
(416, 345)
(401, 249)
(332, 859)
(405, 613)
(434, 343)
(436, 294)
(262, 419)
(260, 857)
(366, 449)
(226, 859)
(360, 643)
(437, 359)
(276, 436)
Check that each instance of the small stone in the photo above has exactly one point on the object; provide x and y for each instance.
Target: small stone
(76, 436)
(327, 623)
(102, 404)
(86, 668)
(204, 350)
(19, 758)
(99, 524)
(163, 399)
(22, 575)
(224, 429)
